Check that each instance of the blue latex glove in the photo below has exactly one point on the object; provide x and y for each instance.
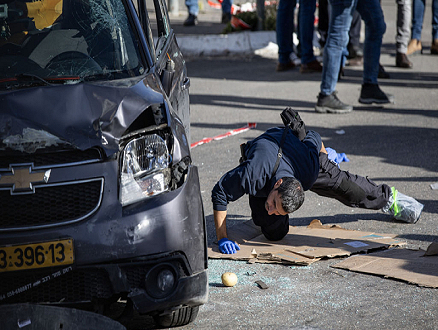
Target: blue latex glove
(336, 157)
(228, 247)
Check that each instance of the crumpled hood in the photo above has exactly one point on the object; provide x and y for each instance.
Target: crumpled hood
(84, 115)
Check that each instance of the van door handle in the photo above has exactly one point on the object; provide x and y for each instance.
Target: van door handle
(185, 84)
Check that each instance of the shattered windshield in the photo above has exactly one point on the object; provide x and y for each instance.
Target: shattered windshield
(49, 41)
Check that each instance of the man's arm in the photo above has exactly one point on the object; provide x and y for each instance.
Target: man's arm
(220, 222)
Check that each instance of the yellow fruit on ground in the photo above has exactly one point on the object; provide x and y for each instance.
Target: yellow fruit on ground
(229, 279)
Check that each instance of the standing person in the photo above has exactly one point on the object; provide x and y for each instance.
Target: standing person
(309, 63)
(417, 25)
(284, 31)
(340, 22)
(404, 11)
(279, 165)
(193, 10)
(226, 11)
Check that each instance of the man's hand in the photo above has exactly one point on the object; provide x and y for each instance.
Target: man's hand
(228, 247)
(336, 157)
(292, 119)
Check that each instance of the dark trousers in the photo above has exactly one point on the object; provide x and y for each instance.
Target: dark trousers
(350, 189)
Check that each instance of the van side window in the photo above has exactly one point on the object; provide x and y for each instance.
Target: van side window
(160, 25)
(143, 16)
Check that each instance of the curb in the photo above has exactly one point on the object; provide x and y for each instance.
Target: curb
(242, 43)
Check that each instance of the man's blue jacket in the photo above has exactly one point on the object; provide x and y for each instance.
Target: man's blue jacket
(254, 175)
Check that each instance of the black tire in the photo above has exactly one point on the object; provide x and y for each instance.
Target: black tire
(177, 318)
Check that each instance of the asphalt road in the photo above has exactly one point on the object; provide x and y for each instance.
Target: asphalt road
(394, 144)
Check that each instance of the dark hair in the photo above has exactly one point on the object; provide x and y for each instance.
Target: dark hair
(292, 194)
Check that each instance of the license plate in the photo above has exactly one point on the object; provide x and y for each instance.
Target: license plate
(36, 255)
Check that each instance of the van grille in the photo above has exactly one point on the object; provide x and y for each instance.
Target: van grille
(50, 205)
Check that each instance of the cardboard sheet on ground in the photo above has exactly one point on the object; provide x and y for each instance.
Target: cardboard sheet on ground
(302, 245)
(413, 266)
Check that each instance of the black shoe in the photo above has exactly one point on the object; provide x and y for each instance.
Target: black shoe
(371, 93)
(382, 73)
(402, 61)
(226, 18)
(331, 104)
(191, 20)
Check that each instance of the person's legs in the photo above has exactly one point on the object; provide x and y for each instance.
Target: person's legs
(357, 191)
(193, 9)
(307, 17)
(372, 14)
(434, 19)
(226, 10)
(414, 45)
(309, 63)
(404, 13)
(350, 189)
(323, 21)
(434, 47)
(274, 227)
(285, 29)
(337, 40)
(417, 18)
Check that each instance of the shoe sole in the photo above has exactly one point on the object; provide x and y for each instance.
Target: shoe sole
(371, 101)
(322, 109)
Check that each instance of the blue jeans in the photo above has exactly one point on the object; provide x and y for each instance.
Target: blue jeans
(226, 6)
(307, 18)
(337, 40)
(417, 18)
(285, 29)
(192, 7)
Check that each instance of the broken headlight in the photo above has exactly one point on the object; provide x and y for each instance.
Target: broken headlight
(145, 169)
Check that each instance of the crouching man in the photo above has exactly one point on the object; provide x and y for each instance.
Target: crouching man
(277, 168)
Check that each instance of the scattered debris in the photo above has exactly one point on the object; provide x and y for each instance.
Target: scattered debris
(432, 250)
(340, 132)
(261, 284)
(434, 186)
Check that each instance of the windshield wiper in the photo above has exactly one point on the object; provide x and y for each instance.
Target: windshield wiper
(31, 77)
(29, 80)
(99, 76)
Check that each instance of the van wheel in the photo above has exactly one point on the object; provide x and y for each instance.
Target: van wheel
(177, 318)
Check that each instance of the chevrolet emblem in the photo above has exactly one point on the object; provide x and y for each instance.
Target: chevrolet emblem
(22, 179)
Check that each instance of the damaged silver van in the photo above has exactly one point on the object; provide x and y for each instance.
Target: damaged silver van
(99, 200)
